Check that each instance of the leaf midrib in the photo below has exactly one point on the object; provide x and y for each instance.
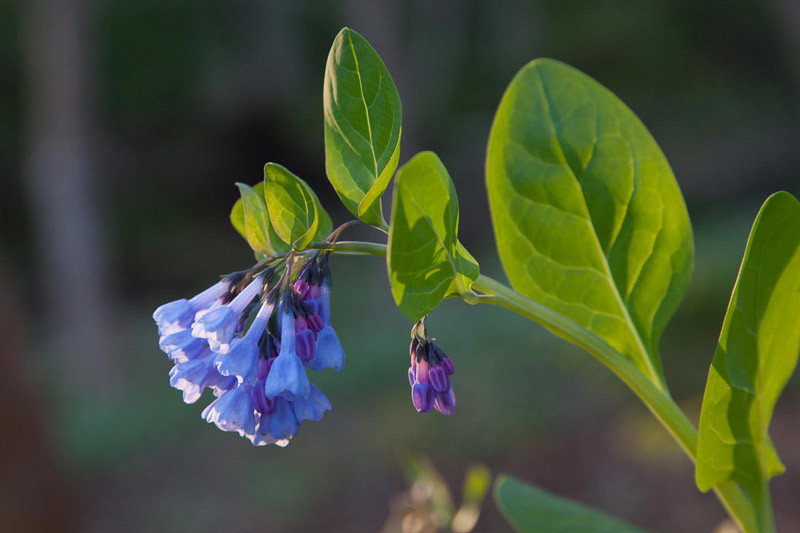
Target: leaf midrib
(655, 376)
(364, 101)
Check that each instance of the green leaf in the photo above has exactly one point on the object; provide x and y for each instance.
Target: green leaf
(530, 509)
(756, 355)
(250, 218)
(362, 125)
(294, 209)
(425, 260)
(588, 218)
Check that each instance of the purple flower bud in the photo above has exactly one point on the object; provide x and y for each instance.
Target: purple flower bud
(422, 371)
(447, 364)
(314, 322)
(439, 379)
(306, 345)
(429, 374)
(422, 396)
(261, 403)
(445, 402)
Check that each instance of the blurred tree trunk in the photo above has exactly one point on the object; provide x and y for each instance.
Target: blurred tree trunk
(34, 494)
(786, 14)
(71, 252)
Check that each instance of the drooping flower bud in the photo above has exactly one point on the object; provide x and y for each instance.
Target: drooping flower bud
(429, 374)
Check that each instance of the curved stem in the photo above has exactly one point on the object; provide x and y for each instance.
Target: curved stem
(659, 402)
(355, 247)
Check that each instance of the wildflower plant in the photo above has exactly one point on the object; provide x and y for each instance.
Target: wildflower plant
(593, 234)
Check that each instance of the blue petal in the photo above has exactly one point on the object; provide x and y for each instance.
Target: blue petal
(282, 423)
(173, 316)
(233, 411)
(191, 378)
(240, 361)
(329, 351)
(217, 326)
(287, 377)
(182, 346)
(311, 408)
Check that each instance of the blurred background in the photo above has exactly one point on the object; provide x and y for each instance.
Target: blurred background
(123, 127)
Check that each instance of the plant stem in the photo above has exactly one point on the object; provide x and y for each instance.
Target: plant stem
(659, 402)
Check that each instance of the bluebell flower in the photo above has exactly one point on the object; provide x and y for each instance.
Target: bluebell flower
(287, 377)
(429, 374)
(241, 360)
(192, 377)
(260, 382)
(311, 408)
(281, 422)
(181, 346)
(219, 325)
(233, 411)
(329, 350)
(220, 384)
(175, 316)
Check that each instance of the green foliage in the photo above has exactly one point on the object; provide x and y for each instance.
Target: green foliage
(297, 211)
(530, 509)
(251, 219)
(588, 218)
(362, 125)
(595, 238)
(294, 209)
(756, 355)
(425, 260)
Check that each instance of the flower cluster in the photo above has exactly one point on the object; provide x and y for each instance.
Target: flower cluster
(429, 374)
(250, 339)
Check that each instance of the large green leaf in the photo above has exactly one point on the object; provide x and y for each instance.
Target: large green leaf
(362, 125)
(294, 209)
(588, 218)
(250, 218)
(425, 260)
(756, 355)
(531, 510)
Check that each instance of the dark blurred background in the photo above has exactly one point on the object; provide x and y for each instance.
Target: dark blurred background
(123, 127)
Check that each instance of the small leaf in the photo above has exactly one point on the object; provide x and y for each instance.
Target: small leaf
(425, 260)
(588, 217)
(756, 355)
(531, 510)
(250, 218)
(294, 209)
(362, 125)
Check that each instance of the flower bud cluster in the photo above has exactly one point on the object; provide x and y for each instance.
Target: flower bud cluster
(429, 374)
(250, 339)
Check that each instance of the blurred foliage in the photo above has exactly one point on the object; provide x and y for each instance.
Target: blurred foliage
(429, 506)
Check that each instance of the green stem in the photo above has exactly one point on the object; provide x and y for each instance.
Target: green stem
(766, 519)
(659, 402)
